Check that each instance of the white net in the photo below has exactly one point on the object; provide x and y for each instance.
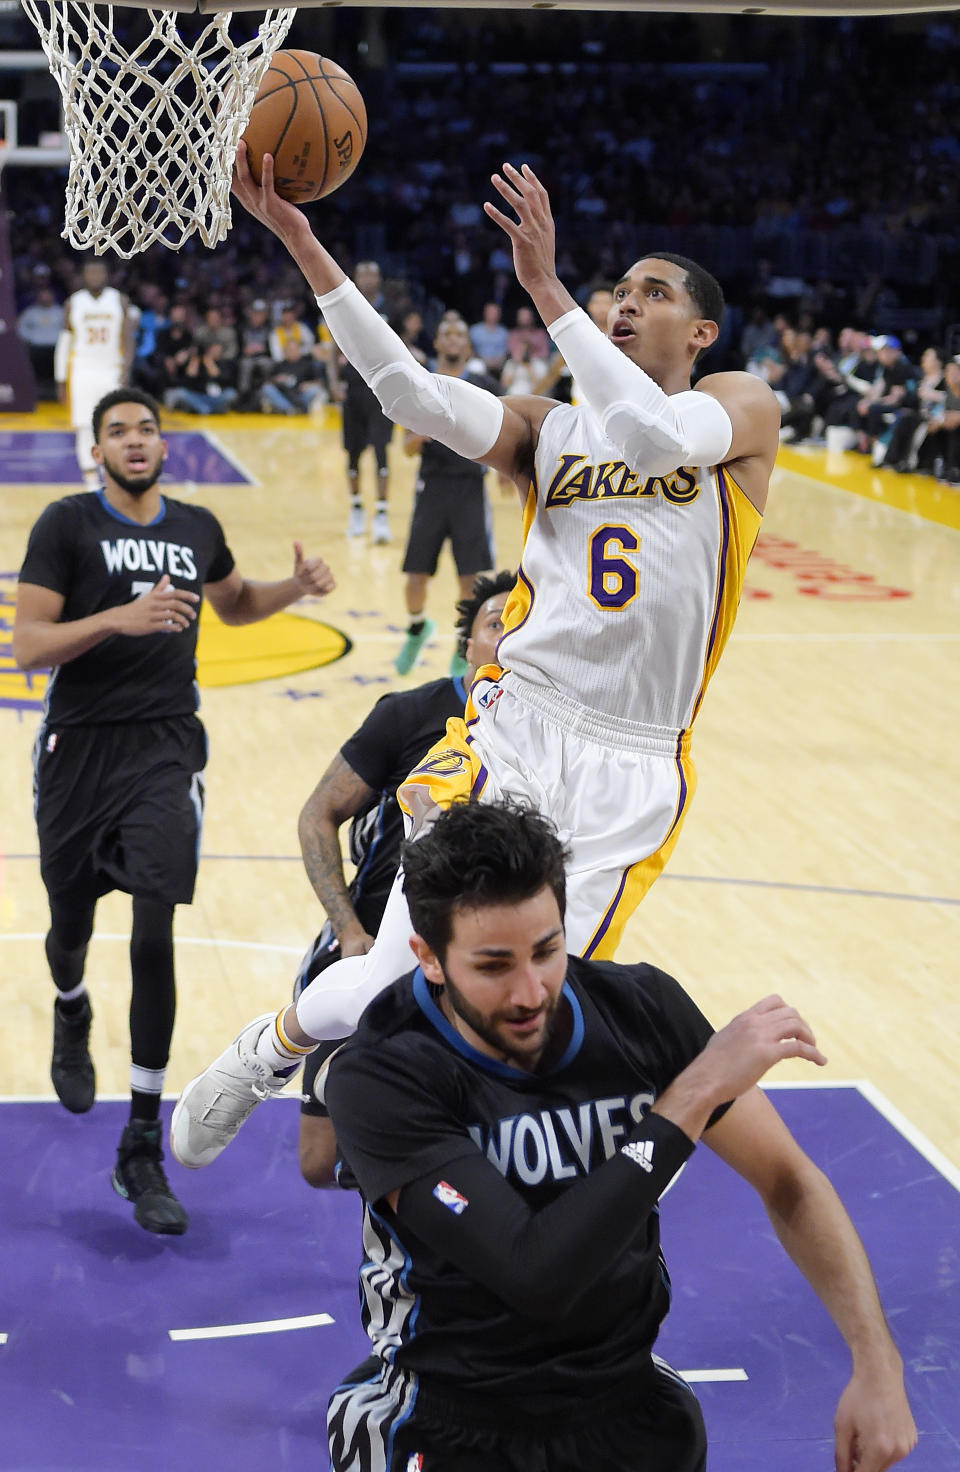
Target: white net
(152, 118)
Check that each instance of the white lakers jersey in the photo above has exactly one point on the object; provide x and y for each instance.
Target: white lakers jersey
(628, 584)
(95, 324)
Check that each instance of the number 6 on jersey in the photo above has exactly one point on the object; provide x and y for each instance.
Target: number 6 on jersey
(613, 579)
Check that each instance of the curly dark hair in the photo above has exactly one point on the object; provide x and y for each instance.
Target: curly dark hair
(480, 853)
(484, 587)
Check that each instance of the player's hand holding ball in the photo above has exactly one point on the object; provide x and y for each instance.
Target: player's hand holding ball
(306, 133)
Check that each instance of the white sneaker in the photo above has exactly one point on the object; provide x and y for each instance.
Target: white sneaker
(380, 532)
(215, 1104)
(357, 525)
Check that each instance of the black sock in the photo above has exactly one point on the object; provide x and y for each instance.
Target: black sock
(152, 997)
(416, 626)
(144, 1106)
(71, 926)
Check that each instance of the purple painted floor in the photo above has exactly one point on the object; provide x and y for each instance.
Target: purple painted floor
(91, 1382)
(48, 457)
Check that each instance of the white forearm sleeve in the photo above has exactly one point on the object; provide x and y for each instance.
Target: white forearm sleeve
(461, 416)
(654, 432)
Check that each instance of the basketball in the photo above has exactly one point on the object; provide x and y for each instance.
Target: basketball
(308, 113)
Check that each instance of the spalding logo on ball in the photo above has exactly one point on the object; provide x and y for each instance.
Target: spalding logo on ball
(308, 113)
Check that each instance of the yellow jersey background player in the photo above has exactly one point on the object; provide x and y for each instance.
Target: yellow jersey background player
(93, 356)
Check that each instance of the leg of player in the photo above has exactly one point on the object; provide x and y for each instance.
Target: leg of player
(380, 439)
(83, 439)
(269, 1050)
(71, 1067)
(139, 1175)
(357, 523)
(420, 628)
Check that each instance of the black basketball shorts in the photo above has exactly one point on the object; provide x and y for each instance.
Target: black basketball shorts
(120, 807)
(380, 1420)
(364, 423)
(456, 513)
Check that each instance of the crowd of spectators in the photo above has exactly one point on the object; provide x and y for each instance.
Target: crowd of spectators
(812, 164)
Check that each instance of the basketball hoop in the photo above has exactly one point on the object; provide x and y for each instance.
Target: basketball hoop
(152, 127)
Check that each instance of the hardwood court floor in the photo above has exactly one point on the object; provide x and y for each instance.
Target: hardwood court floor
(819, 858)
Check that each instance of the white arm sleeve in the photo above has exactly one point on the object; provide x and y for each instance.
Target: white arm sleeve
(654, 432)
(461, 416)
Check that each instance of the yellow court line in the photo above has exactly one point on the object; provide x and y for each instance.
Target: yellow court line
(920, 495)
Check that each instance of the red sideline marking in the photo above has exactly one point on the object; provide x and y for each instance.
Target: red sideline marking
(821, 577)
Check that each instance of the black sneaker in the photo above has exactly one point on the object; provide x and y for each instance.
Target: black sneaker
(139, 1177)
(71, 1067)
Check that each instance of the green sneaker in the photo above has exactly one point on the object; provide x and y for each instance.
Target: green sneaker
(412, 646)
(458, 667)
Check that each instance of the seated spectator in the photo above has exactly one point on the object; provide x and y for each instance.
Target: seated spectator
(255, 362)
(940, 451)
(522, 373)
(39, 325)
(526, 331)
(146, 370)
(798, 387)
(893, 389)
(290, 328)
(758, 335)
(413, 336)
(174, 345)
(489, 339)
(912, 425)
(215, 327)
(296, 385)
(852, 375)
(204, 383)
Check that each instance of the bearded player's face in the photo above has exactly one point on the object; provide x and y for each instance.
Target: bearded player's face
(503, 976)
(130, 448)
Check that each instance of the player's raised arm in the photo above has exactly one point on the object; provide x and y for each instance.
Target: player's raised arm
(467, 419)
(656, 425)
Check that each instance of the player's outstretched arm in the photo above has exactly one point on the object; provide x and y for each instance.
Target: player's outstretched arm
(237, 600)
(468, 419)
(873, 1426)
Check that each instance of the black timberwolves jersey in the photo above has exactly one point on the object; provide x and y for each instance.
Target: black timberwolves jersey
(395, 736)
(409, 1096)
(98, 559)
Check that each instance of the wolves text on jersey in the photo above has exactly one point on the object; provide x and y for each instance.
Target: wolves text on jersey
(559, 1143)
(575, 479)
(143, 554)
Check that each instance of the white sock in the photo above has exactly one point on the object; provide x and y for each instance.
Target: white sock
(276, 1049)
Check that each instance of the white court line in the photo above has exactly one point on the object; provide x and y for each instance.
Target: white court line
(265, 1326)
(3, 1338)
(890, 1113)
(910, 1133)
(238, 465)
(698, 1377)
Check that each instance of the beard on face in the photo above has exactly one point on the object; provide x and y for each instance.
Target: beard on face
(486, 1027)
(134, 485)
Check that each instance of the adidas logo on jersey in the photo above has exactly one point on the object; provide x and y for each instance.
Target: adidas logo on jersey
(641, 1154)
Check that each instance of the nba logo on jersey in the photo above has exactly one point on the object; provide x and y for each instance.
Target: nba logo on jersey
(415, 1463)
(489, 696)
(450, 1197)
(52, 741)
